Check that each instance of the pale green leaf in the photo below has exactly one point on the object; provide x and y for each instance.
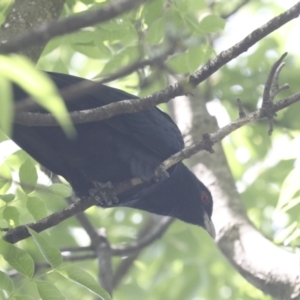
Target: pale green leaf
(83, 37)
(283, 235)
(156, 31)
(178, 63)
(83, 278)
(7, 198)
(211, 24)
(28, 176)
(5, 178)
(289, 187)
(89, 50)
(292, 237)
(6, 106)
(17, 258)
(37, 84)
(6, 283)
(60, 190)
(48, 291)
(195, 57)
(292, 203)
(51, 253)
(21, 297)
(37, 208)
(11, 215)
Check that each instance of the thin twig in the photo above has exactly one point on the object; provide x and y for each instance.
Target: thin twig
(240, 107)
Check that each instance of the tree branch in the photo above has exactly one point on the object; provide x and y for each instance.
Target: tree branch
(28, 14)
(206, 143)
(266, 266)
(225, 56)
(45, 32)
(73, 92)
(172, 91)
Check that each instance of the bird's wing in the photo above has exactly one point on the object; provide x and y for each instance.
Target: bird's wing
(153, 128)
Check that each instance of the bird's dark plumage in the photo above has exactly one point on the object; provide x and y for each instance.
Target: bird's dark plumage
(117, 149)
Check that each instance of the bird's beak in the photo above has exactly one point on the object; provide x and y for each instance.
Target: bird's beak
(209, 226)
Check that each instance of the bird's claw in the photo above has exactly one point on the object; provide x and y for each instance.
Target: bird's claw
(102, 193)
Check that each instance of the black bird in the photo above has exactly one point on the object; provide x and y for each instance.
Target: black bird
(118, 149)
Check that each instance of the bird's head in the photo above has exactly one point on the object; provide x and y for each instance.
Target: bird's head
(194, 202)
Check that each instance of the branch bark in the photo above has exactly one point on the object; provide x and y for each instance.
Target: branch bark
(23, 17)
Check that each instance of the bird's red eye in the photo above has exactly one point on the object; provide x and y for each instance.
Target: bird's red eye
(204, 197)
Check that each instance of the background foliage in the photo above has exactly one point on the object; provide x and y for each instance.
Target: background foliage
(184, 263)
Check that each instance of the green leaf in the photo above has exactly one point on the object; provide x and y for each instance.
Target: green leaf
(37, 208)
(51, 253)
(11, 215)
(211, 24)
(83, 278)
(194, 6)
(7, 198)
(5, 178)
(289, 188)
(21, 297)
(48, 291)
(6, 106)
(156, 31)
(105, 52)
(60, 190)
(282, 236)
(123, 58)
(6, 283)
(28, 176)
(4, 8)
(17, 258)
(292, 237)
(194, 58)
(90, 50)
(16, 159)
(53, 44)
(178, 63)
(60, 67)
(83, 37)
(190, 5)
(292, 203)
(37, 84)
(152, 11)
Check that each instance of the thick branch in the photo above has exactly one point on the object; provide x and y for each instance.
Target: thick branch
(28, 14)
(269, 268)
